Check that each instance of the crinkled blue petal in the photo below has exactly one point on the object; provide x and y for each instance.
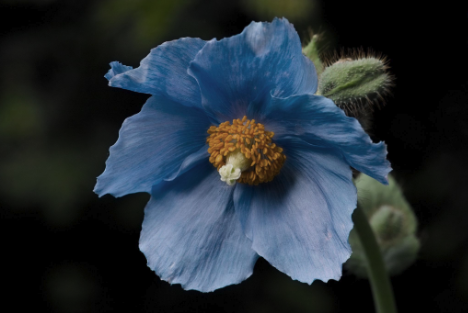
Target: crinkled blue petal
(191, 161)
(300, 221)
(191, 234)
(319, 121)
(152, 146)
(163, 72)
(236, 75)
(117, 68)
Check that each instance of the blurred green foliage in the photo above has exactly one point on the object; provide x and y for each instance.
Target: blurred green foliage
(137, 22)
(74, 288)
(20, 116)
(294, 10)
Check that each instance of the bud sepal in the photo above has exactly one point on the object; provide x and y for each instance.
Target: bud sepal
(393, 223)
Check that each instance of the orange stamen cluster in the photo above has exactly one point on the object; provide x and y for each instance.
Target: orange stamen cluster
(254, 142)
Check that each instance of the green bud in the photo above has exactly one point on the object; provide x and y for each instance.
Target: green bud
(393, 222)
(399, 257)
(313, 50)
(356, 84)
(387, 222)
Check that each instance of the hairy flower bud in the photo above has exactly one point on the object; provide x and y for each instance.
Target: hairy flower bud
(393, 222)
(313, 50)
(356, 82)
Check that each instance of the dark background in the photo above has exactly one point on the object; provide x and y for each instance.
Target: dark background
(66, 250)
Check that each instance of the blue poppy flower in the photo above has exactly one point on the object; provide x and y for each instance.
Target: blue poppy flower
(242, 109)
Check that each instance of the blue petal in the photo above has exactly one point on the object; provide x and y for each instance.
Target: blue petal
(164, 73)
(191, 161)
(191, 234)
(117, 68)
(236, 75)
(152, 146)
(320, 122)
(300, 222)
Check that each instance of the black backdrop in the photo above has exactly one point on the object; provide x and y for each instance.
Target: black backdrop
(66, 250)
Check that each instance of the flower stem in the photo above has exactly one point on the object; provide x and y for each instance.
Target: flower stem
(379, 280)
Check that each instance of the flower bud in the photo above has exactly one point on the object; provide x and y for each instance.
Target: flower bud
(355, 83)
(387, 222)
(393, 223)
(312, 50)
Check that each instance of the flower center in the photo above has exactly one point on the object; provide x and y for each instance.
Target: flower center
(243, 152)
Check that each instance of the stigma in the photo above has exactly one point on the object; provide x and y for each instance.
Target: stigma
(244, 152)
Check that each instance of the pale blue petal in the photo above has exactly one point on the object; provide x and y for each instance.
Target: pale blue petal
(236, 75)
(320, 122)
(300, 222)
(191, 234)
(191, 161)
(117, 68)
(163, 72)
(152, 146)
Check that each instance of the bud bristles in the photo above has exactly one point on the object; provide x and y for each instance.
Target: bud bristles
(357, 81)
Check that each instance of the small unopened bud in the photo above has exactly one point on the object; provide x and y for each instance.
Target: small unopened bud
(313, 50)
(393, 223)
(387, 222)
(356, 82)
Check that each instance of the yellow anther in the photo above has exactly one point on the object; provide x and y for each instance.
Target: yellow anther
(263, 159)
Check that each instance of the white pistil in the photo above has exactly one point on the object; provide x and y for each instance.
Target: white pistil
(229, 174)
(236, 162)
